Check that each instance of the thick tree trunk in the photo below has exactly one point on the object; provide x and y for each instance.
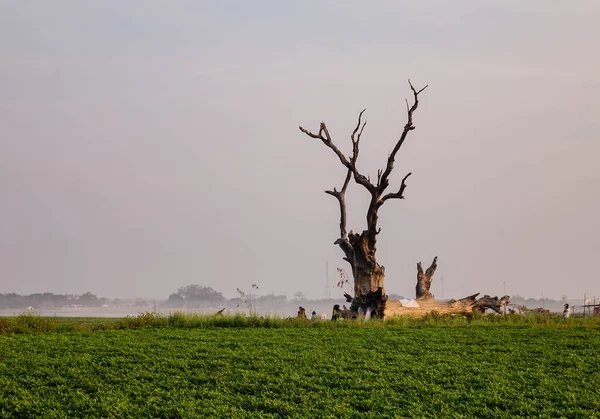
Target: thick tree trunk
(424, 279)
(368, 274)
(463, 306)
(369, 294)
(368, 279)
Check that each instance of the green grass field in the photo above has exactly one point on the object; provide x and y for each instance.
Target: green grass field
(382, 370)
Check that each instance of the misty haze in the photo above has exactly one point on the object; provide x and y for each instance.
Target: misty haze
(144, 149)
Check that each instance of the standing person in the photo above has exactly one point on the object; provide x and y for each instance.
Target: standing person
(336, 312)
(314, 316)
(566, 312)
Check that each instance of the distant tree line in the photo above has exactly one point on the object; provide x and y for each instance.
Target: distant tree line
(189, 296)
(50, 300)
(196, 296)
(201, 296)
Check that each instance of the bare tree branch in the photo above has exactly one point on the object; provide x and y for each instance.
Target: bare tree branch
(396, 195)
(341, 197)
(355, 141)
(327, 141)
(431, 270)
(324, 136)
(383, 182)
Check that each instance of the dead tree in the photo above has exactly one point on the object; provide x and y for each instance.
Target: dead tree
(360, 248)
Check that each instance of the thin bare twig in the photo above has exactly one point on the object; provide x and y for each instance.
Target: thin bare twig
(396, 195)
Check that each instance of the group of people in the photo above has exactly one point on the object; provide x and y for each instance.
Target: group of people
(302, 314)
(314, 316)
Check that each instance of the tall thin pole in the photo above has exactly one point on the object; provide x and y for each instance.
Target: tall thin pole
(542, 300)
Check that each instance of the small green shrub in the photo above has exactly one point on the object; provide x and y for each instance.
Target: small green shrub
(5, 327)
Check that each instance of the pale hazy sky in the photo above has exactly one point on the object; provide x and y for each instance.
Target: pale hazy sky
(146, 145)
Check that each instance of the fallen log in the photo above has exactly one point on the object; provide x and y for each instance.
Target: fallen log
(428, 304)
